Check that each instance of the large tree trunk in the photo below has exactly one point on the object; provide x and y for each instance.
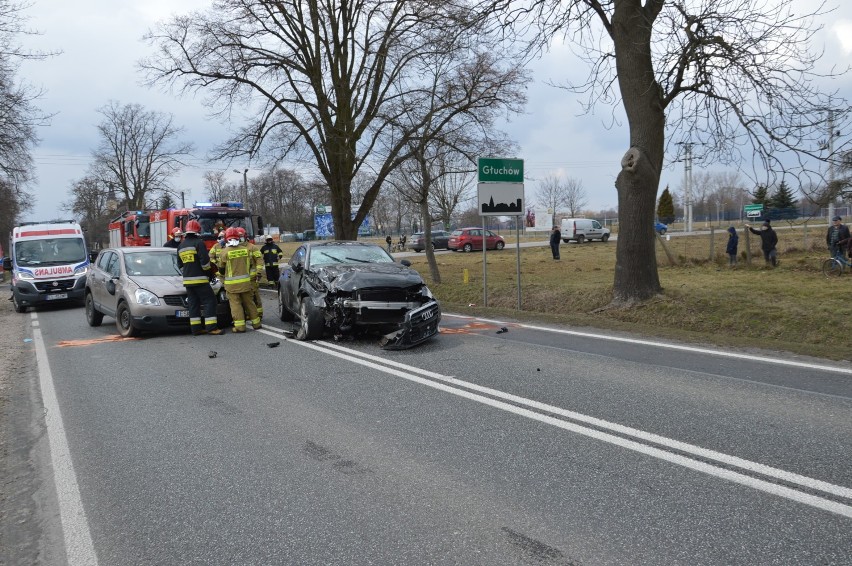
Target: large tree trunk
(426, 217)
(636, 277)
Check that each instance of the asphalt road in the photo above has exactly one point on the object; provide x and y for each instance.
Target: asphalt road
(528, 445)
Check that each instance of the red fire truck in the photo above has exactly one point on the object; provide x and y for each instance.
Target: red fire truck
(132, 228)
(212, 216)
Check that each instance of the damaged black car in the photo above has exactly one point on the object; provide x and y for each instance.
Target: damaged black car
(342, 288)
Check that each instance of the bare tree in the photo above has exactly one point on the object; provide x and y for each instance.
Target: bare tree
(19, 116)
(550, 194)
(561, 193)
(575, 195)
(218, 189)
(453, 188)
(283, 198)
(89, 202)
(341, 84)
(735, 78)
(139, 152)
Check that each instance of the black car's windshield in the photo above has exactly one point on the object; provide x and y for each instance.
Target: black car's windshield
(50, 251)
(326, 255)
(151, 264)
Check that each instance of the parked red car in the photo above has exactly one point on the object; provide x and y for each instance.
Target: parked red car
(469, 239)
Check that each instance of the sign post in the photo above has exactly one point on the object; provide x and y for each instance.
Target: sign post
(500, 192)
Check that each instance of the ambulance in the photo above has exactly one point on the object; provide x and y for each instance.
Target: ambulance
(48, 261)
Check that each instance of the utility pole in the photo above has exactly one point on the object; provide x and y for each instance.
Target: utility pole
(831, 163)
(687, 185)
(245, 185)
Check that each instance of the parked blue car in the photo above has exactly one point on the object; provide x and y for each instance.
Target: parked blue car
(660, 228)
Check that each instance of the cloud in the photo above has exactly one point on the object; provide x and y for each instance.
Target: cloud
(843, 30)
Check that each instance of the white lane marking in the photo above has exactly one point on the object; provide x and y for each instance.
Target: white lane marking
(720, 457)
(683, 348)
(387, 366)
(79, 548)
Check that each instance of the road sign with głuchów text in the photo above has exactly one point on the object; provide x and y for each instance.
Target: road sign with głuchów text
(501, 170)
(753, 210)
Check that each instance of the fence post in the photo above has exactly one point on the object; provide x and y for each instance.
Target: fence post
(712, 243)
(747, 245)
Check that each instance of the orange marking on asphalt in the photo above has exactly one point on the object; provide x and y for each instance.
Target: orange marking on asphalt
(92, 341)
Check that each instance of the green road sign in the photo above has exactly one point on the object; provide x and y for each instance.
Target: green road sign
(753, 210)
(501, 170)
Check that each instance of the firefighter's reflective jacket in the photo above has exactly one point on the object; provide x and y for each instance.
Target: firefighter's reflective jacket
(238, 268)
(271, 255)
(193, 261)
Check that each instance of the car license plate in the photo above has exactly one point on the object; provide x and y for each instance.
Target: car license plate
(182, 314)
(56, 296)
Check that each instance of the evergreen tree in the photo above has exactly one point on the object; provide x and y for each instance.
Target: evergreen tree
(783, 197)
(665, 207)
(166, 202)
(761, 196)
(782, 203)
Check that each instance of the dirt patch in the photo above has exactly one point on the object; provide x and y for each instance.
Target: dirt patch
(29, 523)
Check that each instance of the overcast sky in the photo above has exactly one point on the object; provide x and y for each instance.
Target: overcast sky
(101, 42)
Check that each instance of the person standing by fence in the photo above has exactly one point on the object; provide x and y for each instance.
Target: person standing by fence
(768, 241)
(733, 243)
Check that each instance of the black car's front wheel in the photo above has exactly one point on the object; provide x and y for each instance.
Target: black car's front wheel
(311, 321)
(284, 314)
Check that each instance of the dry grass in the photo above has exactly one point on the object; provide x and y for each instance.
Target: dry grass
(793, 307)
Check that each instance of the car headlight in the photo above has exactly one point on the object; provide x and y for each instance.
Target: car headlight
(25, 275)
(426, 292)
(81, 270)
(145, 297)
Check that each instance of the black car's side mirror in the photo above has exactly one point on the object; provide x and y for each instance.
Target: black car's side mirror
(405, 262)
(92, 257)
(297, 267)
(110, 286)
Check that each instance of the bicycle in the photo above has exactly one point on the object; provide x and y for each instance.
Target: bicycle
(835, 266)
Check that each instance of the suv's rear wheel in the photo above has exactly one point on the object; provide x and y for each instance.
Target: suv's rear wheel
(93, 316)
(468, 247)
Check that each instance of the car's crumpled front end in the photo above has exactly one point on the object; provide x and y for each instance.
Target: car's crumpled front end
(387, 298)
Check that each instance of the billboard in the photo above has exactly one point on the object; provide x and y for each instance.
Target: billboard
(324, 225)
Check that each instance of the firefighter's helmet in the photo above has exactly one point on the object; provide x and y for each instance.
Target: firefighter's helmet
(176, 232)
(232, 236)
(192, 227)
(241, 232)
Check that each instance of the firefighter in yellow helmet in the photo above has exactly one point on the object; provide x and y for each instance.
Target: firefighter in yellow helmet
(238, 268)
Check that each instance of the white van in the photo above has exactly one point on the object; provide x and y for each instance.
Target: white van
(49, 261)
(582, 229)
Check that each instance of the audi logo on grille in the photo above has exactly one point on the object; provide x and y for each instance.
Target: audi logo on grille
(427, 315)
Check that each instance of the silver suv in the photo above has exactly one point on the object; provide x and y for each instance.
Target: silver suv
(142, 289)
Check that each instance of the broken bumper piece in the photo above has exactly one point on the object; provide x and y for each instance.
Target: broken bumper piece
(419, 325)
